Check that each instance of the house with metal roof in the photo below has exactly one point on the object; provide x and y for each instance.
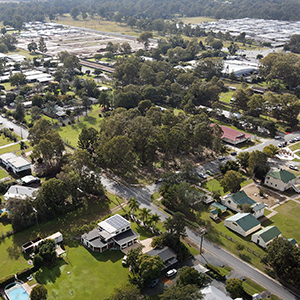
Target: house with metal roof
(280, 179)
(214, 214)
(236, 202)
(15, 163)
(210, 292)
(265, 236)
(167, 255)
(243, 223)
(18, 193)
(113, 232)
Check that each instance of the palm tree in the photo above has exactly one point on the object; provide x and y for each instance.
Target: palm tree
(145, 212)
(154, 219)
(133, 205)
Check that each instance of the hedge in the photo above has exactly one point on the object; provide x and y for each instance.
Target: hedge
(23, 274)
(7, 280)
(216, 271)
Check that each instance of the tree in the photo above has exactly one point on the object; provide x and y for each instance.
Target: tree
(145, 213)
(3, 30)
(230, 165)
(233, 48)
(190, 276)
(74, 13)
(175, 225)
(126, 292)
(258, 164)
(42, 46)
(235, 287)
(154, 219)
(133, 205)
(284, 258)
(217, 45)
(35, 113)
(86, 103)
(88, 139)
(17, 79)
(144, 38)
(231, 181)
(294, 44)
(243, 159)
(39, 292)
(125, 48)
(270, 150)
(179, 292)
(46, 250)
(209, 67)
(32, 47)
(19, 112)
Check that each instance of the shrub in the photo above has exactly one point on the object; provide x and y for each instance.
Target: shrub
(7, 280)
(23, 274)
(4, 215)
(217, 274)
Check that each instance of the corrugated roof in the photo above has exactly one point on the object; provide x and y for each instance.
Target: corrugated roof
(282, 175)
(241, 198)
(218, 205)
(268, 233)
(245, 220)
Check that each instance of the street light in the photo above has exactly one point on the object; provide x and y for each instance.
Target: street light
(203, 231)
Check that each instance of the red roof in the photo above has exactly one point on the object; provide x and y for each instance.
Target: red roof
(232, 134)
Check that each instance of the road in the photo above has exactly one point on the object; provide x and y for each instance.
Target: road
(143, 195)
(18, 129)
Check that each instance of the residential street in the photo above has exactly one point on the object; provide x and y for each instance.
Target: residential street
(239, 266)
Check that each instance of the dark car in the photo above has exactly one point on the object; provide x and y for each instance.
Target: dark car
(233, 153)
(154, 282)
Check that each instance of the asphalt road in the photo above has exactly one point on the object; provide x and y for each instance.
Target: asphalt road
(18, 129)
(143, 195)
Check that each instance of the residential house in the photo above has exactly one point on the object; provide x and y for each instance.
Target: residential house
(214, 214)
(219, 206)
(234, 137)
(237, 200)
(243, 223)
(280, 179)
(18, 164)
(210, 292)
(265, 236)
(113, 232)
(18, 193)
(167, 255)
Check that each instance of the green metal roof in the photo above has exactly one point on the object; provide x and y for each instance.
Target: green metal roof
(282, 175)
(245, 220)
(293, 241)
(219, 205)
(241, 198)
(214, 211)
(268, 233)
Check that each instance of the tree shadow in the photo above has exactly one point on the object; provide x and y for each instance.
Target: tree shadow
(90, 120)
(112, 255)
(46, 275)
(14, 252)
(267, 222)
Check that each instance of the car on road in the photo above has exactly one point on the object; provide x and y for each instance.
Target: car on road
(297, 138)
(292, 141)
(221, 157)
(293, 167)
(171, 273)
(233, 153)
(277, 137)
(202, 175)
(154, 282)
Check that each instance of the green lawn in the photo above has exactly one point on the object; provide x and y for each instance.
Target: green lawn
(287, 220)
(295, 146)
(214, 184)
(252, 287)
(226, 97)
(92, 275)
(196, 20)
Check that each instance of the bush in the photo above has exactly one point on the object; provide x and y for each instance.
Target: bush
(217, 274)
(23, 274)
(4, 215)
(39, 292)
(7, 280)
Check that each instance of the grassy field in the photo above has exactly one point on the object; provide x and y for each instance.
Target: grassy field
(214, 184)
(82, 274)
(226, 97)
(70, 133)
(196, 20)
(287, 220)
(295, 146)
(25, 53)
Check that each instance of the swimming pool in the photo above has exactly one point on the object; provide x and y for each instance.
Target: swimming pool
(15, 291)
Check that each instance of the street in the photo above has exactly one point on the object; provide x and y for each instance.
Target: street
(18, 129)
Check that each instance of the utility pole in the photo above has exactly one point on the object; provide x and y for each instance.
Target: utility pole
(203, 231)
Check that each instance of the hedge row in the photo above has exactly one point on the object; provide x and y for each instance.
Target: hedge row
(22, 274)
(217, 274)
(7, 280)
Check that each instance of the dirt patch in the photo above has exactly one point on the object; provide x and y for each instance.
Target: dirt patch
(146, 245)
(270, 197)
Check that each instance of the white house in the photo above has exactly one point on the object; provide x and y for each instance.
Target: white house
(243, 223)
(16, 163)
(265, 236)
(210, 292)
(280, 179)
(113, 232)
(19, 193)
(237, 200)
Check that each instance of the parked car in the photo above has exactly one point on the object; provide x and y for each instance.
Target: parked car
(208, 172)
(221, 157)
(293, 167)
(297, 138)
(233, 153)
(292, 141)
(202, 175)
(277, 137)
(124, 260)
(154, 282)
(171, 273)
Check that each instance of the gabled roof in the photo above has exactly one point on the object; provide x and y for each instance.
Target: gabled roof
(214, 211)
(282, 175)
(258, 206)
(218, 205)
(241, 198)
(268, 233)
(212, 293)
(245, 220)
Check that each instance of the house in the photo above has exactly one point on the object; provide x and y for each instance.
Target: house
(293, 241)
(233, 137)
(167, 255)
(214, 214)
(19, 192)
(112, 232)
(243, 223)
(280, 179)
(210, 292)
(28, 180)
(218, 205)
(237, 200)
(16, 163)
(265, 236)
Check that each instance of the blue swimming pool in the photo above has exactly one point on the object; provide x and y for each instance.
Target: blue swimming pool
(15, 291)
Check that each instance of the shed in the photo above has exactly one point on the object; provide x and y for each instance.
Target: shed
(214, 214)
(218, 205)
(265, 236)
(57, 237)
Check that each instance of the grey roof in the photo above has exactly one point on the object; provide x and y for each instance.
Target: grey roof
(114, 223)
(94, 238)
(258, 206)
(126, 237)
(164, 253)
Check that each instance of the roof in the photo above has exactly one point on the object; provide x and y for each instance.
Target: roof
(219, 205)
(126, 237)
(245, 220)
(201, 269)
(20, 192)
(19, 161)
(241, 198)
(258, 206)
(114, 223)
(164, 253)
(212, 293)
(282, 175)
(28, 179)
(233, 134)
(268, 233)
(293, 241)
(7, 156)
(214, 211)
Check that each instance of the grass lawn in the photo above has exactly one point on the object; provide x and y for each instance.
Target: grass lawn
(287, 220)
(252, 287)
(24, 53)
(196, 20)
(214, 184)
(295, 146)
(226, 97)
(3, 173)
(4, 227)
(92, 275)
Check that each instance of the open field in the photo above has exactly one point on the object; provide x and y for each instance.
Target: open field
(196, 20)
(295, 146)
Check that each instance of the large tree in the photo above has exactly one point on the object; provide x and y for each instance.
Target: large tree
(126, 292)
(176, 225)
(190, 275)
(235, 287)
(231, 181)
(258, 164)
(179, 292)
(39, 292)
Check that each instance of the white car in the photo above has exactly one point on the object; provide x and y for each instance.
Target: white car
(171, 273)
(293, 167)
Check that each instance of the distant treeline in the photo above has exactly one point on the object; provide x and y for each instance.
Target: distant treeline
(15, 14)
